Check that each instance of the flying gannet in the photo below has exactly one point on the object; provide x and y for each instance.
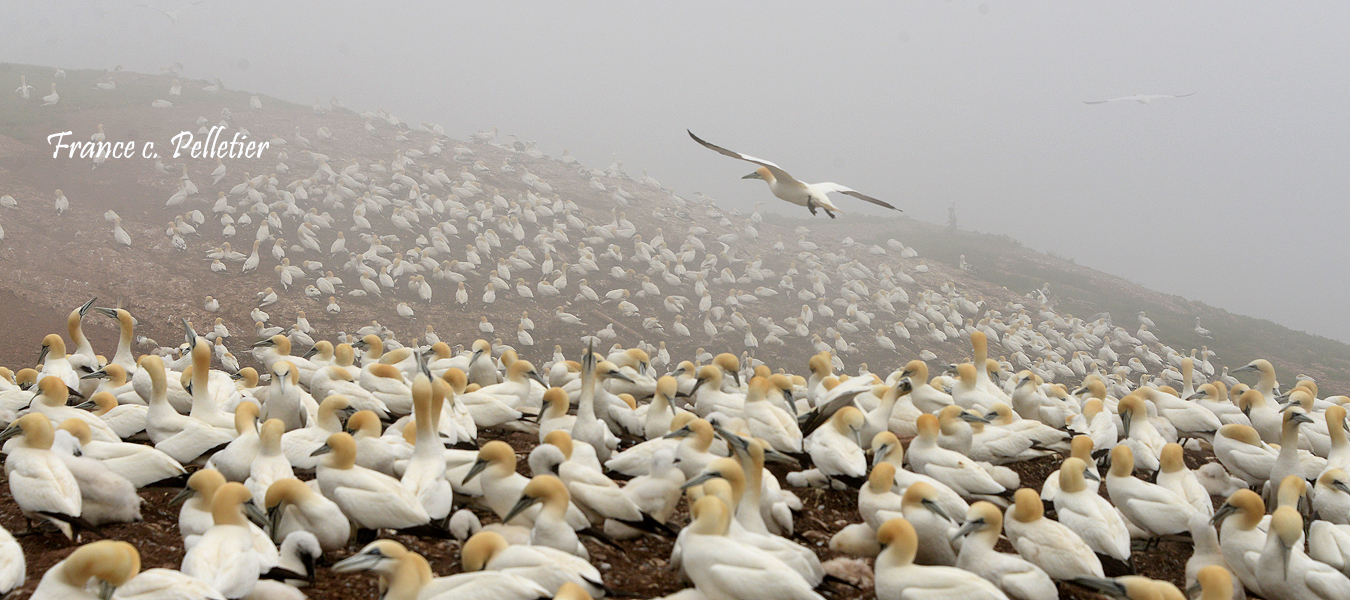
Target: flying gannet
(787, 187)
(1140, 98)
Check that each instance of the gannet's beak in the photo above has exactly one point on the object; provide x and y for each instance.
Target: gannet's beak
(1222, 513)
(702, 477)
(524, 503)
(183, 495)
(754, 175)
(537, 377)
(477, 468)
(968, 528)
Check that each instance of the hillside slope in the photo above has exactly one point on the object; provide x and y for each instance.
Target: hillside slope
(864, 270)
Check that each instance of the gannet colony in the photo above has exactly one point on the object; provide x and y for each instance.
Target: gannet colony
(388, 363)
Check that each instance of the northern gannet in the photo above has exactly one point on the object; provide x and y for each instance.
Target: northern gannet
(897, 577)
(1140, 98)
(786, 187)
(67, 579)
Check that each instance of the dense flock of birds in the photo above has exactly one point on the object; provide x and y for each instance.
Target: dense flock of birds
(391, 431)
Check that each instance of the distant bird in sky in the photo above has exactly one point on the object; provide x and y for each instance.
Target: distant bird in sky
(786, 187)
(1140, 98)
(175, 13)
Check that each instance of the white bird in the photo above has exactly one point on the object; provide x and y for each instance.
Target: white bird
(292, 505)
(172, 14)
(51, 98)
(1173, 475)
(1240, 534)
(40, 482)
(424, 477)
(1286, 571)
(100, 560)
(1019, 579)
(1048, 544)
(1140, 98)
(898, 578)
(723, 569)
(786, 187)
(12, 564)
(1152, 508)
(549, 567)
(551, 526)
(953, 469)
(372, 500)
(409, 574)
(1089, 515)
(226, 557)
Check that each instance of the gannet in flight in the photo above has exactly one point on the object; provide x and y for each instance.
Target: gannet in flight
(786, 187)
(1140, 98)
(172, 14)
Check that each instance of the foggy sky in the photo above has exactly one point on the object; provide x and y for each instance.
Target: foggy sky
(1236, 196)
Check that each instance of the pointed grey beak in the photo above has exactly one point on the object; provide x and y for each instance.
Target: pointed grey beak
(95, 375)
(737, 442)
(12, 431)
(754, 175)
(533, 374)
(107, 312)
(524, 503)
(324, 449)
(1222, 513)
(968, 528)
(678, 433)
(937, 510)
(263, 343)
(969, 418)
(43, 354)
(364, 561)
(879, 456)
(85, 307)
(702, 477)
(1088, 473)
(698, 383)
(256, 515)
(311, 352)
(477, 468)
(182, 496)
(774, 456)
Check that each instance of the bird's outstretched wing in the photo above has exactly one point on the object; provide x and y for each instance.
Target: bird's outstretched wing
(777, 171)
(830, 186)
(166, 13)
(1097, 101)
